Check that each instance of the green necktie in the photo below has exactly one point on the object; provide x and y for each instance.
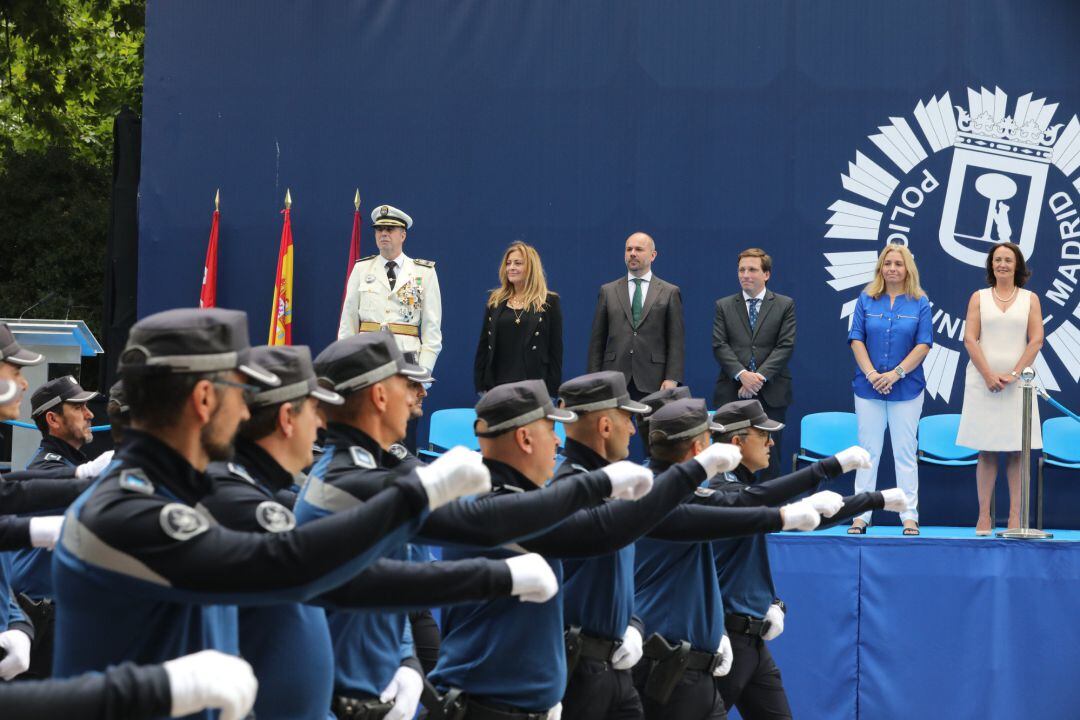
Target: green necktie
(635, 306)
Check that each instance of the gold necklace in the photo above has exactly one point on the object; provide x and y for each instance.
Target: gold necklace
(517, 312)
(1007, 300)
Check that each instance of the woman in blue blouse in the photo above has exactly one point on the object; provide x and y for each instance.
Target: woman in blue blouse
(890, 337)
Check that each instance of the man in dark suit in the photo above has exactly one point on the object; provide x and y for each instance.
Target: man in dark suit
(638, 326)
(753, 338)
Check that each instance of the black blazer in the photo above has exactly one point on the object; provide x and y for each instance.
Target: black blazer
(771, 345)
(543, 351)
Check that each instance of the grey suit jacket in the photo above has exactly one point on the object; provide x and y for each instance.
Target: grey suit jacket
(648, 354)
(770, 344)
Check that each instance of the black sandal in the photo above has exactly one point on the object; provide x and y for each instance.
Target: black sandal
(857, 529)
(911, 529)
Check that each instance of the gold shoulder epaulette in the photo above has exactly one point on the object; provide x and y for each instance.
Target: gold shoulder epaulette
(424, 263)
(369, 257)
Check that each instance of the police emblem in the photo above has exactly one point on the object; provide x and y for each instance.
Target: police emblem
(704, 492)
(181, 522)
(134, 481)
(54, 457)
(361, 457)
(384, 210)
(1000, 167)
(274, 517)
(398, 450)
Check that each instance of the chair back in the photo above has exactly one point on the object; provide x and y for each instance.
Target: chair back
(937, 438)
(452, 426)
(1061, 439)
(827, 433)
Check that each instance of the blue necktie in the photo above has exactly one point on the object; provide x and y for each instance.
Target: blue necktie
(753, 322)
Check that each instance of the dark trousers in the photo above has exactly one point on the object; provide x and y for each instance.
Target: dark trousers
(426, 639)
(696, 697)
(43, 614)
(754, 685)
(596, 691)
(778, 414)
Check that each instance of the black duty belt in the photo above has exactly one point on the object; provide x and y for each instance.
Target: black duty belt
(480, 711)
(695, 659)
(350, 708)
(579, 644)
(746, 625)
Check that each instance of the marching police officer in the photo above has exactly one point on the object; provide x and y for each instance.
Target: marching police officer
(752, 613)
(137, 548)
(271, 448)
(395, 290)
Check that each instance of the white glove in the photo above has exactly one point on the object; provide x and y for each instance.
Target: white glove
(404, 690)
(627, 655)
(719, 457)
(45, 531)
(800, 516)
(95, 466)
(853, 458)
(16, 645)
(629, 481)
(726, 657)
(895, 500)
(555, 713)
(775, 618)
(531, 578)
(456, 473)
(211, 679)
(826, 502)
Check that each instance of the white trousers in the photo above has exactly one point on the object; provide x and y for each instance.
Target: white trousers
(902, 420)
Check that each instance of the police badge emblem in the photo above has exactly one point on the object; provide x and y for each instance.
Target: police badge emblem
(274, 517)
(398, 450)
(181, 522)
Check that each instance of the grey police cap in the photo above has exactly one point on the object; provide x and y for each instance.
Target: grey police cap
(8, 391)
(118, 398)
(12, 352)
(509, 406)
(413, 358)
(192, 341)
(660, 398)
(741, 414)
(599, 391)
(360, 361)
(292, 364)
(681, 420)
(59, 390)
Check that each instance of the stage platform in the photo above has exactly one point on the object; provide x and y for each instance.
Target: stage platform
(943, 625)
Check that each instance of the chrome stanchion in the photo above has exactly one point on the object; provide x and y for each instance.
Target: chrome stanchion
(1025, 531)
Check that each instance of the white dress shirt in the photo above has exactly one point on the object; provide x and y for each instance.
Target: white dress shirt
(645, 280)
(760, 297)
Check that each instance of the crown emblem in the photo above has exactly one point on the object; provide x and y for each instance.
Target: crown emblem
(1027, 132)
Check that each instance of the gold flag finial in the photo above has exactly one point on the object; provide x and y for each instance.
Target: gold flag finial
(217, 199)
(288, 199)
(356, 200)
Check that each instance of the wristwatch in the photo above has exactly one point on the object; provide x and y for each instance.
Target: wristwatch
(899, 370)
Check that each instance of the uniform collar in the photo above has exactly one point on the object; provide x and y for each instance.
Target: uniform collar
(262, 466)
(581, 454)
(400, 261)
(343, 436)
(53, 444)
(502, 475)
(164, 466)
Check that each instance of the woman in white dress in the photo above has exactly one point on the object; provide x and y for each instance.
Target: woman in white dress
(1004, 334)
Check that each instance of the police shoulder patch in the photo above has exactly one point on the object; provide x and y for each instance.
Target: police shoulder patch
(398, 450)
(704, 492)
(579, 468)
(241, 472)
(424, 263)
(182, 522)
(274, 517)
(361, 457)
(134, 480)
(54, 457)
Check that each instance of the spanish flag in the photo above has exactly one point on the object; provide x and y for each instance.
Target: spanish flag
(208, 293)
(281, 313)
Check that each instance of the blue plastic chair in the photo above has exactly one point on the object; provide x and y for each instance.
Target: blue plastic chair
(824, 434)
(937, 442)
(454, 426)
(1061, 448)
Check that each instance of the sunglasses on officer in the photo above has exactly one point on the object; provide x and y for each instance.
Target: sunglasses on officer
(249, 391)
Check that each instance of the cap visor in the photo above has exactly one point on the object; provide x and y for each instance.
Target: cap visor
(327, 396)
(83, 397)
(259, 374)
(24, 357)
(769, 425)
(415, 372)
(563, 416)
(716, 427)
(8, 391)
(635, 407)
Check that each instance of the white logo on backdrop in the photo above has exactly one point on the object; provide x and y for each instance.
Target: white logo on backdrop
(999, 172)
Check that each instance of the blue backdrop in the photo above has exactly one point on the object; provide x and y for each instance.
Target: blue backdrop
(817, 130)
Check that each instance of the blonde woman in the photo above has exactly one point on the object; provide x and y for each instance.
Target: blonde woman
(890, 337)
(521, 335)
(1003, 335)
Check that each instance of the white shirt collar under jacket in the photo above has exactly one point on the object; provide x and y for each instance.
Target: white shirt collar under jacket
(645, 280)
(760, 296)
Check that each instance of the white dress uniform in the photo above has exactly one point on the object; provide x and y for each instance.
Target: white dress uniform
(412, 310)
